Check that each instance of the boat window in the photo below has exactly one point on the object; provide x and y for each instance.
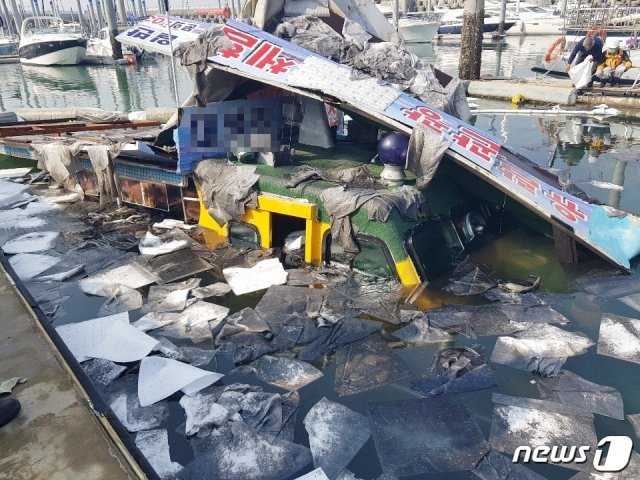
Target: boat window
(244, 235)
(434, 247)
(374, 258)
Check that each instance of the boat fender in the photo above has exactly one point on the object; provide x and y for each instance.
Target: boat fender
(518, 100)
(555, 49)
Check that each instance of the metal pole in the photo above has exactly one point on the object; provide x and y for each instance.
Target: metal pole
(471, 42)
(133, 8)
(113, 29)
(139, 5)
(396, 7)
(173, 64)
(503, 14)
(17, 16)
(5, 16)
(99, 16)
(92, 18)
(122, 12)
(81, 20)
(563, 8)
(144, 9)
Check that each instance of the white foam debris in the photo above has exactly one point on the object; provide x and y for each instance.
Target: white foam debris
(169, 224)
(131, 275)
(161, 377)
(153, 245)
(620, 337)
(111, 338)
(261, 276)
(29, 265)
(154, 445)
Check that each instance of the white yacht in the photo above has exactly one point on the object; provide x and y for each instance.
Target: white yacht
(530, 19)
(49, 41)
(414, 27)
(100, 50)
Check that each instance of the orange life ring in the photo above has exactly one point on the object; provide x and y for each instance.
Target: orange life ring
(555, 50)
(601, 32)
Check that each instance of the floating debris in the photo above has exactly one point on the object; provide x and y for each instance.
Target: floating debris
(426, 436)
(347, 330)
(153, 245)
(202, 411)
(498, 467)
(259, 277)
(218, 289)
(126, 406)
(120, 299)
(619, 337)
(29, 265)
(162, 377)
(634, 420)
(102, 372)
(336, 435)
(367, 364)
(31, 242)
(154, 445)
(541, 349)
(574, 391)
(111, 338)
(456, 370)
(171, 297)
(170, 224)
(235, 451)
(287, 373)
(131, 275)
(520, 287)
(473, 283)
(528, 422)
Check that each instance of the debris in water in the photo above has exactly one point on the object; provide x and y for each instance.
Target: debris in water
(170, 223)
(131, 275)
(126, 406)
(347, 330)
(170, 297)
(154, 445)
(161, 377)
(367, 364)
(520, 287)
(498, 467)
(102, 372)
(606, 185)
(336, 435)
(215, 290)
(634, 420)
(528, 422)
(153, 245)
(120, 299)
(316, 474)
(176, 265)
(111, 338)
(574, 391)
(259, 277)
(456, 370)
(619, 337)
(473, 283)
(288, 373)
(426, 436)
(202, 411)
(31, 242)
(419, 331)
(541, 349)
(237, 452)
(28, 265)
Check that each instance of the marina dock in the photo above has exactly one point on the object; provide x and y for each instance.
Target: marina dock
(56, 434)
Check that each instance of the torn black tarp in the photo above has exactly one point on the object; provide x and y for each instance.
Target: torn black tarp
(456, 370)
(574, 391)
(426, 436)
(336, 434)
(367, 364)
(236, 452)
(345, 331)
(227, 190)
(541, 349)
(528, 422)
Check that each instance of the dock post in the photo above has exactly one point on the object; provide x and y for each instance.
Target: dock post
(503, 14)
(81, 20)
(471, 43)
(122, 12)
(113, 29)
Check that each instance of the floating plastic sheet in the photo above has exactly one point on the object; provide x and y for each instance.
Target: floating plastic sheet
(170, 223)
(170, 297)
(214, 290)
(634, 420)
(153, 245)
(47, 296)
(154, 445)
(259, 277)
(236, 452)
(541, 349)
(366, 365)
(29, 265)
(336, 435)
(120, 299)
(574, 391)
(176, 265)
(62, 272)
(162, 377)
(499, 295)
(619, 337)
(132, 275)
(31, 242)
(317, 474)
(110, 338)
(429, 435)
(202, 411)
(6, 386)
(126, 406)
(102, 372)
(195, 356)
(498, 467)
(456, 370)
(528, 422)
(419, 331)
(287, 373)
(608, 286)
(346, 331)
(196, 322)
(473, 283)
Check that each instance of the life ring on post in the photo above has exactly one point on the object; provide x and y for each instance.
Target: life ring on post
(555, 49)
(601, 32)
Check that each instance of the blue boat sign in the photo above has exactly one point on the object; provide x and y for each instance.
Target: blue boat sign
(256, 54)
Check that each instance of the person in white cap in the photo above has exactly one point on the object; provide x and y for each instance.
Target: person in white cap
(615, 63)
